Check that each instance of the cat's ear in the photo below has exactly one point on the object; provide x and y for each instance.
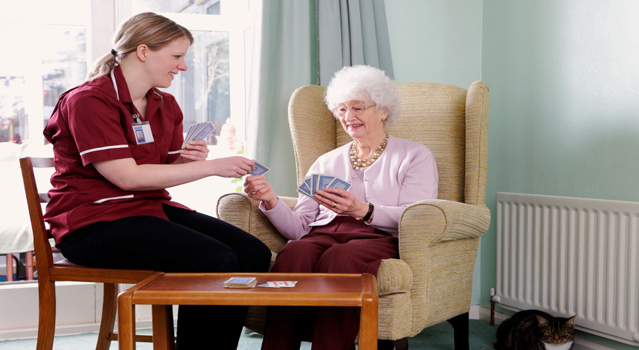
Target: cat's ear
(542, 320)
(571, 321)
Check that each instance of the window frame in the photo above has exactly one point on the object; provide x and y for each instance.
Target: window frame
(105, 15)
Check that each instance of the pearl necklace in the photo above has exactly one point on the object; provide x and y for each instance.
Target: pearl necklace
(359, 163)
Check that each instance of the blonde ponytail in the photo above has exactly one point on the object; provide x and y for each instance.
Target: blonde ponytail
(102, 67)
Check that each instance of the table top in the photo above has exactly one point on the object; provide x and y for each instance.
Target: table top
(312, 289)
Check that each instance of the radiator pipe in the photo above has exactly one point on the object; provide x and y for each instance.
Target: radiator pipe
(493, 299)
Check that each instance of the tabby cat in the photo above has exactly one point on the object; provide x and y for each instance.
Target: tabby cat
(535, 330)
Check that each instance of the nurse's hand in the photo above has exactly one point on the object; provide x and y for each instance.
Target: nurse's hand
(194, 151)
(235, 166)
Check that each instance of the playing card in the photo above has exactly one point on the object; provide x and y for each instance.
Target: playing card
(260, 169)
(308, 181)
(339, 183)
(305, 190)
(204, 131)
(314, 182)
(198, 132)
(279, 284)
(240, 282)
(324, 181)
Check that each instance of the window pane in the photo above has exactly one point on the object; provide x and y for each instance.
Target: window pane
(63, 63)
(13, 88)
(203, 91)
(61, 52)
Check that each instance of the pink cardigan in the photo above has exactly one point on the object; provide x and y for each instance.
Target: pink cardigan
(405, 173)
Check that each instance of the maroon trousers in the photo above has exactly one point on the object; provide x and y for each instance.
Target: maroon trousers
(345, 245)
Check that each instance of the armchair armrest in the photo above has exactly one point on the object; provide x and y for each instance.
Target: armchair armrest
(436, 220)
(241, 211)
(438, 239)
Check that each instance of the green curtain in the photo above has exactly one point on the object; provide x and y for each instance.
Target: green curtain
(351, 32)
(283, 61)
(297, 43)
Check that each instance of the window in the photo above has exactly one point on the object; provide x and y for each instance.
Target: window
(33, 76)
(213, 88)
(45, 54)
(49, 45)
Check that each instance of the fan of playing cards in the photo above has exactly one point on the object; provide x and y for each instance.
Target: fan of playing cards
(315, 182)
(198, 132)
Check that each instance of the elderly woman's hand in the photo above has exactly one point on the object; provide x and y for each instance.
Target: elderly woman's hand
(259, 189)
(341, 202)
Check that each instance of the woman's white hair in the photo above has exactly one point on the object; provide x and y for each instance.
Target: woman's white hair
(364, 83)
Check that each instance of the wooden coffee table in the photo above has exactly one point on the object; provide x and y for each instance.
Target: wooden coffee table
(314, 289)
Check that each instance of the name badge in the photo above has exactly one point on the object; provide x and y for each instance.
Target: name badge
(142, 133)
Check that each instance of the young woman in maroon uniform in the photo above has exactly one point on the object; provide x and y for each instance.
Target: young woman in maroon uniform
(117, 145)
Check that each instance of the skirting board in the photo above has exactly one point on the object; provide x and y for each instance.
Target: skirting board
(63, 330)
(79, 309)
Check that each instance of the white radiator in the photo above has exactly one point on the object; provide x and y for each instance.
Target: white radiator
(570, 256)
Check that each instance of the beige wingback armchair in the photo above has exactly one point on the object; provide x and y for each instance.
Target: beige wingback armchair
(432, 280)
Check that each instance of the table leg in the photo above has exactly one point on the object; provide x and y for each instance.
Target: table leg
(126, 321)
(163, 338)
(368, 318)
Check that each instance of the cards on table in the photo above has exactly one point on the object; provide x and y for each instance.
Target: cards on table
(279, 284)
(260, 169)
(198, 132)
(315, 182)
(240, 282)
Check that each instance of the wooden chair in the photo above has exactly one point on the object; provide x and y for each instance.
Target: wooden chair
(432, 280)
(64, 270)
(28, 266)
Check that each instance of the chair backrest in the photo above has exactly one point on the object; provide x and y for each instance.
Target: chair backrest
(44, 255)
(450, 120)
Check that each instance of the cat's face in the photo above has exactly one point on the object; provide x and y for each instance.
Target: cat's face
(557, 331)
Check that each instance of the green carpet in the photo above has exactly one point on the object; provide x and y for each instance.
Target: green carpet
(437, 337)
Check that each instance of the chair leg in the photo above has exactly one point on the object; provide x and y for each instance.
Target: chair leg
(29, 265)
(401, 344)
(383, 344)
(46, 325)
(109, 307)
(9, 267)
(460, 327)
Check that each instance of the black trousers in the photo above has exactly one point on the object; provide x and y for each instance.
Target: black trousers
(187, 242)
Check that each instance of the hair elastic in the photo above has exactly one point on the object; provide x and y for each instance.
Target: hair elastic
(114, 53)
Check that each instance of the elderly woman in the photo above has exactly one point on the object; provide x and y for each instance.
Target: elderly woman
(340, 231)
